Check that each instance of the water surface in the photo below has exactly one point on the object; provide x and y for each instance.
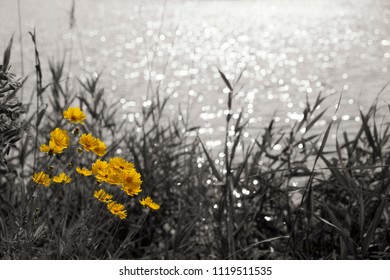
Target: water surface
(285, 50)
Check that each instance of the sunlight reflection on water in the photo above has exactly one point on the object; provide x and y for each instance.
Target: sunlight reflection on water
(283, 50)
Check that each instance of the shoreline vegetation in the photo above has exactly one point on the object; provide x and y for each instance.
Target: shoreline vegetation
(286, 194)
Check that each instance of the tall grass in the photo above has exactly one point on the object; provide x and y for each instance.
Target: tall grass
(286, 194)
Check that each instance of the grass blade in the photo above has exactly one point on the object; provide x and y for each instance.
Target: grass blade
(211, 163)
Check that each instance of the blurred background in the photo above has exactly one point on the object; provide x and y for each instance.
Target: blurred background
(282, 50)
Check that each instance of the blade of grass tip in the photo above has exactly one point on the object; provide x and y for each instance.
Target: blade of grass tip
(72, 18)
(382, 90)
(346, 145)
(307, 102)
(313, 121)
(211, 162)
(37, 61)
(7, 55)
(376, 134)
(240, 75)
(225, 80)
(311, 177)
(230, 96)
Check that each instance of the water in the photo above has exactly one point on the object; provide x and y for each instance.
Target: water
(286, 50)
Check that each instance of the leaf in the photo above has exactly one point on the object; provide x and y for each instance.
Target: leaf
(40, 116)
(225, 80)
(7, 55)
(23, 153)
(193, 128)
(368, 134)
(42, 90)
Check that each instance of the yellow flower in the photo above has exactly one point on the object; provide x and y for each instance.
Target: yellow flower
(88, 142)
(100, 170)
(60, 138)
(41, 178)
(120, 164)
(100, 148)
(74, 115)
(93, 144)
(148, 202)
(102, 196)
(131, 182)
(51, 149)
(62, 178)
(83, 171)
(117, 209)
(114, 177)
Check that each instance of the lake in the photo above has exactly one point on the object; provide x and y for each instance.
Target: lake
(285, 50)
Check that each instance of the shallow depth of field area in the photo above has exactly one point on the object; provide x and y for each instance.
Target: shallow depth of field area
(142, 131)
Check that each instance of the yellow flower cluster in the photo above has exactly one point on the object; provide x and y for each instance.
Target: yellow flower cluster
(117, 209)
(102, 196)
(114, 207)
(59, 141)
(41, 178)
(116, 171)
(93, 144)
